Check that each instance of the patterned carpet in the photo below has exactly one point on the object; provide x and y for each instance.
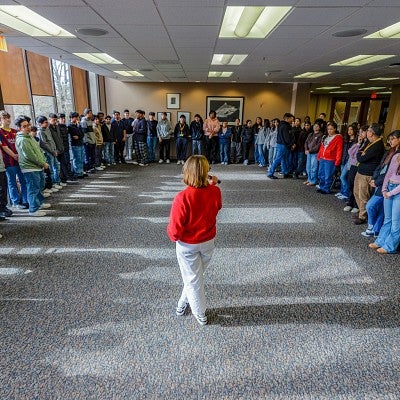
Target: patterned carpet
(299, 307)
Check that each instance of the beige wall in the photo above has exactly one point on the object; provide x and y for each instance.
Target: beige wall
(264, 100)
(393, 117)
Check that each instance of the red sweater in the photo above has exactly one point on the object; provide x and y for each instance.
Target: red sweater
(194, 214)
(332, 152)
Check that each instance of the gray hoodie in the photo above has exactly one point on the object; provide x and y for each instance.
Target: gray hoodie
(164, 129)
(46, 140)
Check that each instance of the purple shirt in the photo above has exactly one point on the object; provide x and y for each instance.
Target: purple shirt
(392, 176)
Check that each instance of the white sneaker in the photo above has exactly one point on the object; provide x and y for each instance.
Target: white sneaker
(53, 190)
(355, 210)
(99, 169)
(47, 191)
(57, 186)
(45, 194)
(44, 206)
(201, 319)
(63, 184)
(167, 161)
(347, 208)
(37, 214)
(160, 161)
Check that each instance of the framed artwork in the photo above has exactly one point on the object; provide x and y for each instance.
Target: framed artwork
(226, 108)
(174, 100)
(185, 113)
(159, 115)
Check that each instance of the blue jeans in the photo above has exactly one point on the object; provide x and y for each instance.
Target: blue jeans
(151, 147)
(326, 171)
(35, 185)
(77, 162)
(256, 151)
(312, 168)
(15, 195)
(108, 151)
(224, 152)
(344, 185)
(54, 168)
(261, 156)
(282, 154)
(181, 145)
(301, 162)
(375, 212)
(271, 155)
(197, 147)
(389, 236)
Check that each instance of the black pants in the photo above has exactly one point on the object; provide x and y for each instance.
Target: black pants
(65, 173)
(246, 150)
(212, 149)
(165, 146)
(3, 191)
(119, 151)
(350, 179)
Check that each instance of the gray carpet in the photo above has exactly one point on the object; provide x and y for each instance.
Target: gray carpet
(299, 307)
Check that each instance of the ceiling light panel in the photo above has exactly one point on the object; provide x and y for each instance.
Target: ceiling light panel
(384, 79)
(129, 73)
(362, 59)
(27, 21)
(312, 74)
(327, 87)
(228, 59)
(219, 74)
(390, 32)
(352, 84)
(98, 58)
(251, 22)
(373, 88)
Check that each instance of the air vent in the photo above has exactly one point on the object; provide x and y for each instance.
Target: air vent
(350, 33)
(91, 32)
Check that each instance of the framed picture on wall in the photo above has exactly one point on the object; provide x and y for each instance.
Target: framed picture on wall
(173, 100)
(160, 113)
(185, 113)
(226, 108)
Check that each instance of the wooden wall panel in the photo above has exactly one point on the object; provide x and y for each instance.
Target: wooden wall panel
(40, 74)
(80, 87)
(13, 82)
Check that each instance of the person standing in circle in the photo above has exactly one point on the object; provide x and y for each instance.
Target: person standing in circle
(192, 225)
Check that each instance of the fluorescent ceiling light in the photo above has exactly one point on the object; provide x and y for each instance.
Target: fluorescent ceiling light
(373, 88)
(384, 93)
(27, 21)
(341, 91)
(251, 22)
(352, 84)
(228, 59)
(362, 59)
(384, 79)
(390, 32)
(312, 74)
(219, 74)
(327, 87)
(128, 73)
(98, 58)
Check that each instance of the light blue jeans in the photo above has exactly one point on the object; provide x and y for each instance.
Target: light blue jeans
(151, 147)
(15, 195)
(77, 162)
(224, 152)
(271, 155)
(35, 185)
(344, 185)
(261, 156)
(375, 212)
(197, 147)
(54, 167)
(108, 151)
(282, 154)
(312, 168)
(389, 235)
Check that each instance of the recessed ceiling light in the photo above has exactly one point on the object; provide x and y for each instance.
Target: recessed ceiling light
(350, 33)
(361, 59)
(228, 59)
(128, 73)
(373, 88)
(312, 74)
(27, 21)
(384, 92)
(384, 79)
(98, 58)
(91, 31)
(219, 74)
(327, 87)
(390, 32)
(340, 91)
(251, 22)
(352, 84)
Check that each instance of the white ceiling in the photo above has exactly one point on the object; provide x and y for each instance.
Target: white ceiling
(174, 40)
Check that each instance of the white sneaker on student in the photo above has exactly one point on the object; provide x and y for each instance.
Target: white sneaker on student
(180, 310)
(46, 194)
(57, 186)
(355, 210)
(167, 161)
(44, 206)
(37, 213)
(160, 161)
(63, 184)
(348, 208)
(201, 319)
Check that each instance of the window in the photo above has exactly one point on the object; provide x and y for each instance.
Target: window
(62, 85)
(16, 109)
(44, 105)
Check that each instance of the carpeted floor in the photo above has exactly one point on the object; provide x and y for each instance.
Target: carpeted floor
(299, 307)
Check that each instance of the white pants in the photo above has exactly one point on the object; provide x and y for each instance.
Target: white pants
(193, 259)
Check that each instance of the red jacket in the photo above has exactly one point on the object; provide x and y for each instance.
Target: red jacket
(194, 214)
(332, 152)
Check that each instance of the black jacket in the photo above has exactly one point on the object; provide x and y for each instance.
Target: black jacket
(369, 158)
(285, 135)
(75, 130)
(196, 130)
(109, 135)
(247, 135)
(184, 132)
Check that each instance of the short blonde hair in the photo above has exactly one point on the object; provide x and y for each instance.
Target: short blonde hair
(195, 171)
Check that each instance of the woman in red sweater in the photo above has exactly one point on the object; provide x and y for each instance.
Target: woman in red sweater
(329, 157)
(192, 225)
